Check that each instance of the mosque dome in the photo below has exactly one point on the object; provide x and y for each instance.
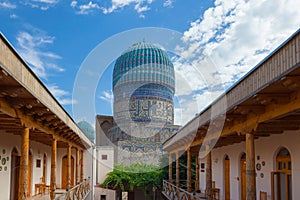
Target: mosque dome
(144, 85)
(88, 129)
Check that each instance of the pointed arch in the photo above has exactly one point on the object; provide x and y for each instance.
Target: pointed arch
(29, 173)
(243, 175)
(14, 173)
(226, 177)
(64, 169)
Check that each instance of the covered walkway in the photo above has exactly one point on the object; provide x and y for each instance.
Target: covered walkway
(263, 104)
(35, 131)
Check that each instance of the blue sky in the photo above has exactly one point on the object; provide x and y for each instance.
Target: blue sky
(55, 37)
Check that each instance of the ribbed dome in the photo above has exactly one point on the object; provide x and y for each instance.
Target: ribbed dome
(144, 62)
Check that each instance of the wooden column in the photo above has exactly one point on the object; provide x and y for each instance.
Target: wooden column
(250, 168)
(189, 171)
(177, 170)
(23, 176)
(208, 177)
(170, 168)
(53, 169)
(77, 167)
(81, 167)
(197, 173)
(69, 166)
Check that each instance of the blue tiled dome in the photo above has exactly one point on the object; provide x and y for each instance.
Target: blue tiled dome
(144, 62)
(143, 87)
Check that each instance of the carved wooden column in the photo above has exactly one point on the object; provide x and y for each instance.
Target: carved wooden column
(81, 167)
(208, 177)
(53, 169)
(250, 167)
(197, 173)
(177, 170)
(69, 166)
(189, 171)
(23, 176)
(170, 168)
(77, 166)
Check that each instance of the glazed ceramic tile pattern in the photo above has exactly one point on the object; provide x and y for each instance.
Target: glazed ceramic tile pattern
(143, 87)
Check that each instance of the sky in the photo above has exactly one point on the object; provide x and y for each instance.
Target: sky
(214, 44)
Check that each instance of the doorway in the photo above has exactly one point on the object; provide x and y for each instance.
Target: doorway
(243, 176)
(64, 178)
(281, 178)
(227, 177)
(14, 174)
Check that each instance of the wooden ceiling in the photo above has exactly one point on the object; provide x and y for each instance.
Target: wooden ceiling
(265, 102)
(18, 106)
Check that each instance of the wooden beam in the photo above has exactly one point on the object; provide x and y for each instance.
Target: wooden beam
(24, 160)
(77, 167)
(82, 166)
(31, 122)
(250, 168)
(177, 170)
(12, 91)
(189, 171)
(170, 168)
(69, 149)
(53, 169)
(208, 190)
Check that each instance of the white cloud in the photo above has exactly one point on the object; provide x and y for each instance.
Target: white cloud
(61, 95)
(7, 5)
(86, 8)
(73, 4)
(31, 49)
(139, 5)
(13, 16)
(235, 35)
(107, 96)
(41, 4)
(168, 3)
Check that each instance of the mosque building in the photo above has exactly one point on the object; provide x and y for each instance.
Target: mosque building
(143, 88)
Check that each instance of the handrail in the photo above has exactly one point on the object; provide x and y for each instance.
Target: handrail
(172, 192)
(78, 192)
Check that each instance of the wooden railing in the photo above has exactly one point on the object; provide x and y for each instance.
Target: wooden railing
(172, 192)
(78, 192)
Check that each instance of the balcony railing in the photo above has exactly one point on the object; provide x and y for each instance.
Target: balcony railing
(78, 192)
(172, 192)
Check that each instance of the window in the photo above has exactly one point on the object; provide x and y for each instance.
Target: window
(103, 197)
(38, 163)
(104, 157)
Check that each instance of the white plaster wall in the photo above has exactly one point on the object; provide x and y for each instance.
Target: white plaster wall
(104, 166)
(61, 152)
(88, 163)
(266, 148)
(8, 142)
(110, 194)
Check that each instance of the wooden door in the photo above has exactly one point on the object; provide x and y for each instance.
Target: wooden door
(14, 174)
(281, 179)
(243, 176)
(64, 178)
(29, 174)
(227, 177)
